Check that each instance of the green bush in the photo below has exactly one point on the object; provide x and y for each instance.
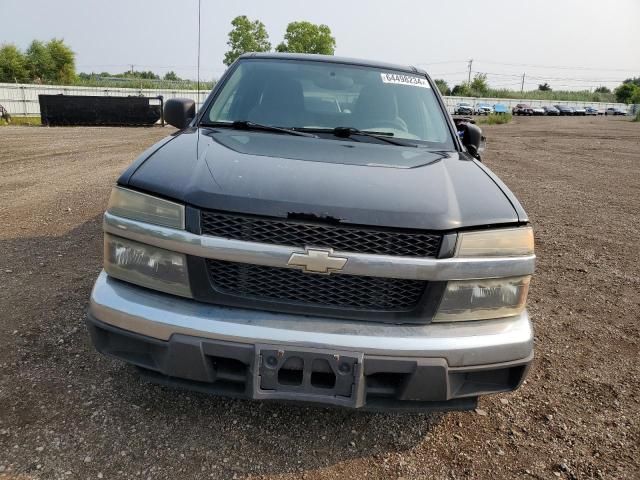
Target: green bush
(495, 119)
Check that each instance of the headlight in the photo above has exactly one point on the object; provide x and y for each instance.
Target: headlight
(145, 208)
(146, 265)
(488, 298)
(483, 299)
(505, 242)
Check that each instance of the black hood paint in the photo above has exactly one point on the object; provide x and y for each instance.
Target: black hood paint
(300, 148)
(276, 175)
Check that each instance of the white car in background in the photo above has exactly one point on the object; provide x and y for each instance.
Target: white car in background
(538, 111)
(463, 108)
(483, 109)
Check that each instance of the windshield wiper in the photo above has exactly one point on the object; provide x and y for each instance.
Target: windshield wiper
(246, 125)
(349, 132)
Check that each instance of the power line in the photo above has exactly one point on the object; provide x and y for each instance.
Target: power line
(137, 64)
(588, 80)
(441, 63)
(545, 77)
(563, 67)
(447, 73)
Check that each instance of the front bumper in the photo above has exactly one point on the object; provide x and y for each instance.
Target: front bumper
(220, 350)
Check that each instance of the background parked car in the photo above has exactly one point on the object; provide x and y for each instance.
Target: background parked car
(591, 111)
(538, 111)
(579, 111)
(500, 108)
(522, 109)
(614, 111)
(549, 110)
(564, 110)
(483, 109)
(463, 108)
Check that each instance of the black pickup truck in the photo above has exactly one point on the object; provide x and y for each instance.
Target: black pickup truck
(319, 231)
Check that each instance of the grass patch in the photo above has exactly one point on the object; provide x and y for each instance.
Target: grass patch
(495, 119)
(567, 95)
(25, 121)
(142, 84)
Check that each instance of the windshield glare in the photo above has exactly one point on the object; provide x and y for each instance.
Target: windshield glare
(323, 95)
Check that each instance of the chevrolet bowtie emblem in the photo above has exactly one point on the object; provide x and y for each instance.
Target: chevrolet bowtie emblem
(317, 260)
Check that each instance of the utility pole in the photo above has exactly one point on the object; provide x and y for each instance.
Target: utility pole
(470, 63)
(198, 74)
(522, 86)
(132, 69)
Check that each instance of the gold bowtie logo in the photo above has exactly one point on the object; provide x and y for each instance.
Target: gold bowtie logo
(317, 260)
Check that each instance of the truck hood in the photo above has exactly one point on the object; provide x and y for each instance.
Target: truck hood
(354, 182)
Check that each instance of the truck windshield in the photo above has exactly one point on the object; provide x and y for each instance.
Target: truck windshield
(327, 97)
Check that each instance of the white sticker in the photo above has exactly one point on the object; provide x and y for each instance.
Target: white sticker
(403, 79)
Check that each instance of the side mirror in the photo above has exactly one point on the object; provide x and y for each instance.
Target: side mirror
(472, 139)
(179, 112)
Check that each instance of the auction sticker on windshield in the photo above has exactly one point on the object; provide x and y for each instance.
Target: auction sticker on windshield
(402, 79)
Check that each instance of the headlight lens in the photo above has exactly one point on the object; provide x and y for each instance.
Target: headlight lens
(483, 299)
(505, 242)
(146, 208)
(488, 298)
(146, 265)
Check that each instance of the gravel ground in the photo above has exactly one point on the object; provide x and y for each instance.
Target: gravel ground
(68, 412)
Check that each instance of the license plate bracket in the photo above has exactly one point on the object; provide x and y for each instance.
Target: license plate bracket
(308, 375)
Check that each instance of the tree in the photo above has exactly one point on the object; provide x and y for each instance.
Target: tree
(306, 37)
(39, 62)
(602, 89)
(625, 91)
(171, 76)
(479, 84)
(13, 65)
(246, 36)
(63, 60)
(462, 90)
(544, 87)
(144, 75)
(634, 80)
(442, 86)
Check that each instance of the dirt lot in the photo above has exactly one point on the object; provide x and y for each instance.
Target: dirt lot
(67, 412)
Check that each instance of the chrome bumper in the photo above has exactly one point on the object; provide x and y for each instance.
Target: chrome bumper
(160, 316)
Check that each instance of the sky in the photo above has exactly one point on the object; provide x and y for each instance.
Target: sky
(571, 44)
